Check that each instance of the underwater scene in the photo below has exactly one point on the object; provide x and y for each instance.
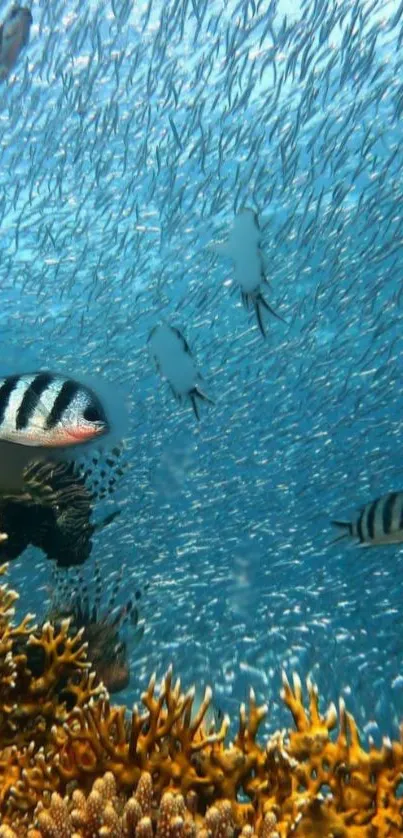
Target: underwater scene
(201, 344)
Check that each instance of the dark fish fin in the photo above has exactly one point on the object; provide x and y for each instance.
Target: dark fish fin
(245, 299)
(192, 395)
(106, 521)
(344, 525)
(259, 316)
(182, 339)
(266, 305)
(196, 390)
(195, 394)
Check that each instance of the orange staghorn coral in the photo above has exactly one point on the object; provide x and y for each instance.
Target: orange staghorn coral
(90, 770)
(30, 705)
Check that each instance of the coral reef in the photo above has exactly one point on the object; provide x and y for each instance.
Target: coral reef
(84, 768)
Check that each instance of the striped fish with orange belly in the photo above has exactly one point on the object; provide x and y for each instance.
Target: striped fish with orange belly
(49, 410)
(379, 523)
(14, 36)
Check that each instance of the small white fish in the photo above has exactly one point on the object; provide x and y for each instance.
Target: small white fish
(174, 361)
(242, 246)
(379, 522)
(14, 36)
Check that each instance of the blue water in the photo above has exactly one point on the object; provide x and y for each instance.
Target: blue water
(129, 137)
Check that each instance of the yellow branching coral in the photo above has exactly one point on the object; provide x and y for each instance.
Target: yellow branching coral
(83, 768)
(29, 705)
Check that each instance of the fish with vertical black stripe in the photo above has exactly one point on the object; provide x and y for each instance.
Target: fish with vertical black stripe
(379, 522)
(49, 410)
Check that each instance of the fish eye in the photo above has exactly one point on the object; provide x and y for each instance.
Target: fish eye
(92, 414)
(14, 12)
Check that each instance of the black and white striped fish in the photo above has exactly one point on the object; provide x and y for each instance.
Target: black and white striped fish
(243, 247)
(379, 522)
(43, 409)
(14, 36)
(174, 360)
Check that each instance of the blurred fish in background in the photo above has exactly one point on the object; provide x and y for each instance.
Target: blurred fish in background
(14, 36)
(243, 248)
(175, 363)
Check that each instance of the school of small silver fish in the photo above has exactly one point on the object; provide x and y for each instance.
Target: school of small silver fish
(230, 173)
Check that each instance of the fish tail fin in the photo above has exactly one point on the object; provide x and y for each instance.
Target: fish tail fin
(193, 395)
(259, 315)
(245, 300)
(343, 525)
(202, 395)
(266, 305)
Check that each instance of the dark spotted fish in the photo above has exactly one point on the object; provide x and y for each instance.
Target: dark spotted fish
(102, 471)
(379, 522)
(174, 361)
(14, 36)
(112, 629)
(54, 511)
(43, 409)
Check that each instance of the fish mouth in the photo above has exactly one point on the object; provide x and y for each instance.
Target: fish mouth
(96, 429)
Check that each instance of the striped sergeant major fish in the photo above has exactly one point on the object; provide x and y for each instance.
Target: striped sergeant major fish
(14, 36)
(379, 522)
(174, 361)
(243, 247)
(43, 409)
